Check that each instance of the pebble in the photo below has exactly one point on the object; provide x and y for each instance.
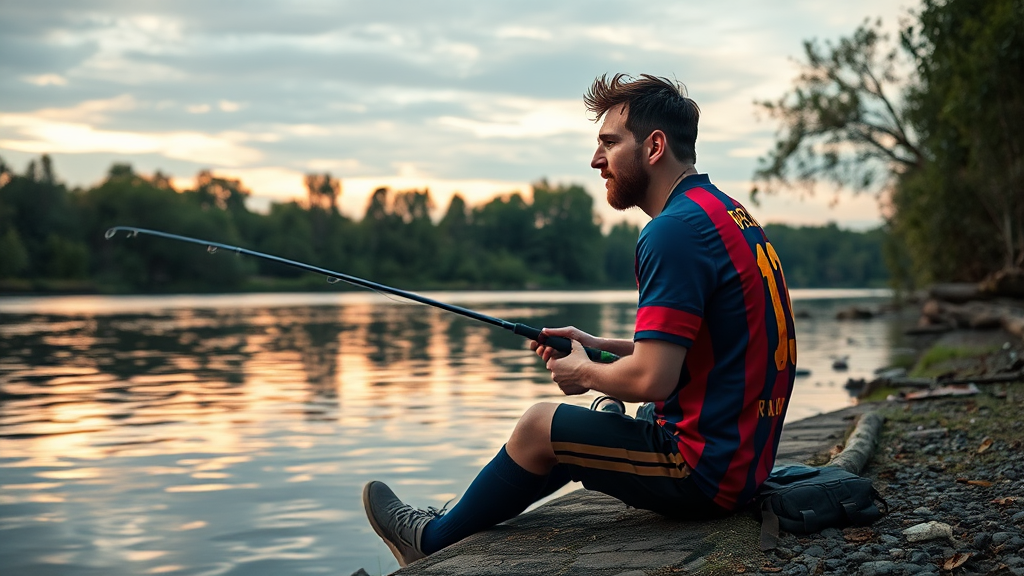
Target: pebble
(1002, 537)
(878, 568)
(815, 551)
(888, 540)
(928, 531)
(933, 514)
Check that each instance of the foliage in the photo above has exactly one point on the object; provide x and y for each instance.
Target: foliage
(829, 257)
(934, 123)
(841, 122)
(552, 240)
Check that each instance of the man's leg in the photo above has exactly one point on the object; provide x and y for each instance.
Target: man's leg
(509, 483)
(633, 460)
(515, 478)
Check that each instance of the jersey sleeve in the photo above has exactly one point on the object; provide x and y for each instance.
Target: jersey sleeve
(675, 275)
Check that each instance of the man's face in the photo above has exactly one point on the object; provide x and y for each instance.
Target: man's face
(620, 160)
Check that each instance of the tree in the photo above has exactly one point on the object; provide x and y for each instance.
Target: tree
(842, 122)
(943, 143)
(968, 106)
(567, 238)
(322, 191)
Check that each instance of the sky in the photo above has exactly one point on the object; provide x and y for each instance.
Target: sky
(471, 96)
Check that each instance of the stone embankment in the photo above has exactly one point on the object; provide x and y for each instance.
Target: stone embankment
(950, 467)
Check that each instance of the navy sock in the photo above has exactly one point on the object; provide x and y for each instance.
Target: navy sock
(558, 477)
(500, 491)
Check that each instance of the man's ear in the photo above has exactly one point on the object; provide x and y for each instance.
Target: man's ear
(657, 146)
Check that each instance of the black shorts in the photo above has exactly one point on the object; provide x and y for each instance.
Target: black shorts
(635, 461)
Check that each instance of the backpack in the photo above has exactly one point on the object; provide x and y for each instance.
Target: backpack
(803, 499)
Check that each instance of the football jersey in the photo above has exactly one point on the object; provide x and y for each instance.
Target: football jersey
(709, 280)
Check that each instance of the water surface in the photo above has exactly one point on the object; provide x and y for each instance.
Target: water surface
(232, 434)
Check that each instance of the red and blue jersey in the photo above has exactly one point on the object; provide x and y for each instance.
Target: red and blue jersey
(710, 281)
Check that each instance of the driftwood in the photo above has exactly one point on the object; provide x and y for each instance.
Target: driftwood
(1008, 282)
(867, 388)
(957, 293)
(940, 316)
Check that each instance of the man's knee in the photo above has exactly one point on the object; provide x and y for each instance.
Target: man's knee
(536, 422)
(530, 444)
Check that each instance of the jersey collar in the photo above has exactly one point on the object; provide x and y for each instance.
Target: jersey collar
(688, 183)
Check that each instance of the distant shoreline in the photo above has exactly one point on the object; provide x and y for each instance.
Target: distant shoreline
(105, 303)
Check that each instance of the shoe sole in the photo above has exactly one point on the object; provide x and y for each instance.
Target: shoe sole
(376, 527)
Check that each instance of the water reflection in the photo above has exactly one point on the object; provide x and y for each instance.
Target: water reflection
(217, 439)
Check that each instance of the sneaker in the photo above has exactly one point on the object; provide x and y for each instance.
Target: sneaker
(608, 404)
(398, 524)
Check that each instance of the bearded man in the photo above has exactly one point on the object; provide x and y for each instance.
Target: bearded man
(713, 353)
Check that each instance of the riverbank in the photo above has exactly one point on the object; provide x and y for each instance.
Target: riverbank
(954, 461)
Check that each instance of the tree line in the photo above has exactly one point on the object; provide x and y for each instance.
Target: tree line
(931, 120)
(52, 238)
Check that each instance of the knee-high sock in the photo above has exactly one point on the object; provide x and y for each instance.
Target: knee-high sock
(500, 491)
(558, 477)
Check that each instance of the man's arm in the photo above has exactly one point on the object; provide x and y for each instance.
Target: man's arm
(649, 374)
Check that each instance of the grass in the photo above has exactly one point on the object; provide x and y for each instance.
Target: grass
(940, 359)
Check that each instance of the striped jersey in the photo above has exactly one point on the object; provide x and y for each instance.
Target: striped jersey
(710, 281)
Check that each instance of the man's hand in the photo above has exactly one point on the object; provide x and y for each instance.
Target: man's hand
(570, 332)
(569, 372)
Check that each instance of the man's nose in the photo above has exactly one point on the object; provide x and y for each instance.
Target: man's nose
(598, 161)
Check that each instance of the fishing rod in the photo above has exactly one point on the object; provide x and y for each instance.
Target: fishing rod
(563, 345)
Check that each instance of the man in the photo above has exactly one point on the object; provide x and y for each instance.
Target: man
(713, 351)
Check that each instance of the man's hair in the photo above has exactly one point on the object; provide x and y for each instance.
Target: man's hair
(653, 103)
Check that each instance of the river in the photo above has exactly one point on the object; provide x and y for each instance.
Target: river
(232, 434)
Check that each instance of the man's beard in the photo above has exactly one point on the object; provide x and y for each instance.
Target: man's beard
(628, 188)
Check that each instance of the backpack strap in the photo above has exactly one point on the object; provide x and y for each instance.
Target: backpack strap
(875, 496)
(810, 521)
(769, 527)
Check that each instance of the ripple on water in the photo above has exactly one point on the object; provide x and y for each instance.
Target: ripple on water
(202, 436)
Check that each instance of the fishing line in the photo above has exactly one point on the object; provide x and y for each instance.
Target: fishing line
(563, 345)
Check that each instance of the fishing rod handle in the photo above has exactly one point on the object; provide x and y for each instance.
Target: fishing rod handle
(562, 344)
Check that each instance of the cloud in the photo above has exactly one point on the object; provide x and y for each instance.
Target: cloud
(41, 135)
(46, 80)
(522, 118)
(458, 95)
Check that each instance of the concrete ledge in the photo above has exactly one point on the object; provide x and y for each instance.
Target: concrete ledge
(588, 533)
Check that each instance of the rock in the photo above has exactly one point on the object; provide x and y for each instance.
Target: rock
(1018, 518)
(855, 313)
(859, 556)
(795, 569)
(360, 572)
(888, 540)
(908, 568)
(832, 533)
(928, 531)
(784, 553)
(982, 540)
(919, 557)
(877, 568)
(815, 551)
(1002, 537)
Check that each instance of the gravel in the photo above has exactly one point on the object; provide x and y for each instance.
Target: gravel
(965, 472)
